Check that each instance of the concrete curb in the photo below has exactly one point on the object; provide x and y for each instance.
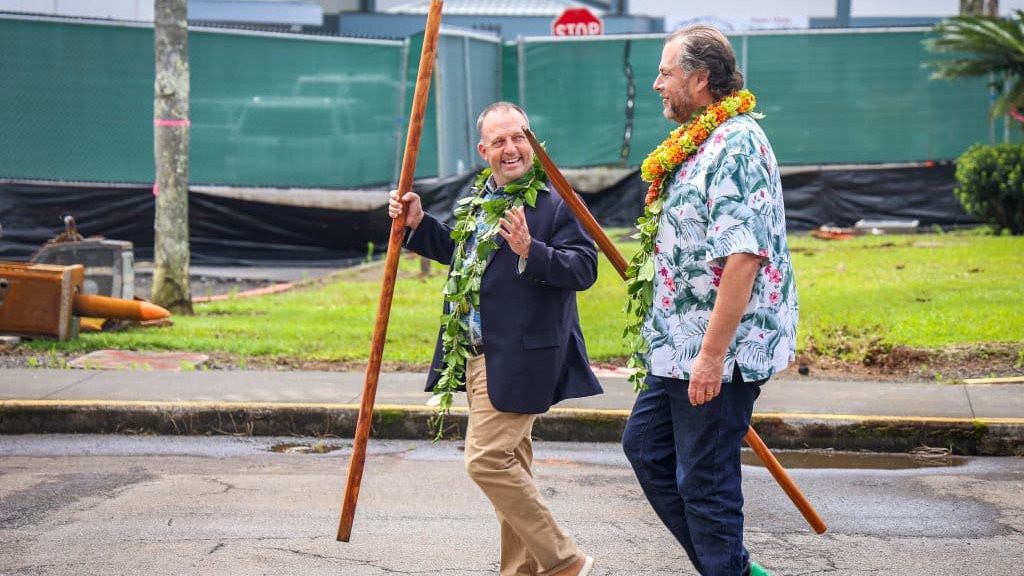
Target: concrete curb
(990, 437)
(972, 437)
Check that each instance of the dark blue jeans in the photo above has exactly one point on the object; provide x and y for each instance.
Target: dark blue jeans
(687, 459)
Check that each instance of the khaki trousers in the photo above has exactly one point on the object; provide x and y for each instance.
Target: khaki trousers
(499, 453)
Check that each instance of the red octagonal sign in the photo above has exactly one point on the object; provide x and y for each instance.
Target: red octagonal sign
(577, 22)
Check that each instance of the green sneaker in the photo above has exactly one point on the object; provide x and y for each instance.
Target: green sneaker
(758, 570)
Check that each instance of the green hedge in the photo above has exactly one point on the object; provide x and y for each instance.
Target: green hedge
(992, 185)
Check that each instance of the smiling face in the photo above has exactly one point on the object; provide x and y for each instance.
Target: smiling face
(504, 146)
(682, 93)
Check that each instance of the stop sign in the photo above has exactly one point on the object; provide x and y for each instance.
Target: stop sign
(577, 22)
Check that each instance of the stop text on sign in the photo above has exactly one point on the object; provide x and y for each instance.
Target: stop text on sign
(577, 22)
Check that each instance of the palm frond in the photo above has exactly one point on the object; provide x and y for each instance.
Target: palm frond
(955, 69)
(982, 46)
(1013, 96)
(978, 34)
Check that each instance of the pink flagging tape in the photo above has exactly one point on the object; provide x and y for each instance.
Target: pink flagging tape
(172, 123)
(156, 189)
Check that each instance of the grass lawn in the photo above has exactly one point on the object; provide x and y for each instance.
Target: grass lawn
(924, 291)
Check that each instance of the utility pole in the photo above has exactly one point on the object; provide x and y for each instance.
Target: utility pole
(170, 147)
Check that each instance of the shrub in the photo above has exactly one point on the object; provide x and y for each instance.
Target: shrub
(992, 185)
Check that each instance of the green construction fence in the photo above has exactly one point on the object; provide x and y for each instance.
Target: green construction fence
(283, 110)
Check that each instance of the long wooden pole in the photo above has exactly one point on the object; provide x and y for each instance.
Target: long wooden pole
(597, 233)
(380, 329)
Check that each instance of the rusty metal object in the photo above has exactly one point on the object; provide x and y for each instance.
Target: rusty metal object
(38, 299)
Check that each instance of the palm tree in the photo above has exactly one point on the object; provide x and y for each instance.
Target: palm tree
(979, 7)
(988, 47)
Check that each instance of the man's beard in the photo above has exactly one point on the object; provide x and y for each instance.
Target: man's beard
(681, 108)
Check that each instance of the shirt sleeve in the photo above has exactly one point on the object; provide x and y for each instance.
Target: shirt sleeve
(734, 227)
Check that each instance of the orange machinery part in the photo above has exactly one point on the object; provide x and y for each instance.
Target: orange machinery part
(117, 308)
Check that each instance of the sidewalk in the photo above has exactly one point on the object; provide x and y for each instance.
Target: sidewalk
(797, 412)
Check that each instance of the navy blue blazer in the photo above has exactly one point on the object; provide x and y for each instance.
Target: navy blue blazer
(535, 352)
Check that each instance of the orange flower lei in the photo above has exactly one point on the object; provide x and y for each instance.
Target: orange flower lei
(658, 169)
(687, 138)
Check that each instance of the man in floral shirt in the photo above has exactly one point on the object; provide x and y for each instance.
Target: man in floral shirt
(724, 310)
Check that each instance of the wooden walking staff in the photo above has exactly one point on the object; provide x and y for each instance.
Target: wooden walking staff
(380, 329)
(613, 254)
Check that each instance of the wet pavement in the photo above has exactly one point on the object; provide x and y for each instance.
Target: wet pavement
(840, 460)
(225, 506)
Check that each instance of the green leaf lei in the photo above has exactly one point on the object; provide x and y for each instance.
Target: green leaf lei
(463, 287)
(640, 292)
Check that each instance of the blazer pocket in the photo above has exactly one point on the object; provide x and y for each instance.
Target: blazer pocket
(535, 341)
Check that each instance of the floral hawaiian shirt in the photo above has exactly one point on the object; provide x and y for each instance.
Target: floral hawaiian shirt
(725, 199)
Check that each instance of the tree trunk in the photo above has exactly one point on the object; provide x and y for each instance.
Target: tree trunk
(979, 8)
(171, 140)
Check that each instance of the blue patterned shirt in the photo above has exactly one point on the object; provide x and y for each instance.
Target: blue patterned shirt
(472, 318)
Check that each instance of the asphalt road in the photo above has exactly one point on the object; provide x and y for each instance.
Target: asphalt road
(167, 505)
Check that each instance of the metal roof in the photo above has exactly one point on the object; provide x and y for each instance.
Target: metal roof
(494, 7)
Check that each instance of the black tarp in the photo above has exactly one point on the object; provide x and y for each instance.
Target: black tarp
(841, 197)
(221, 230)
(832, 197)
(231, 231)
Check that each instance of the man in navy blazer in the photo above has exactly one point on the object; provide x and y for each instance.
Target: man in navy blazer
(528, 347)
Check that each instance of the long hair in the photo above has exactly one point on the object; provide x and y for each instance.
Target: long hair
(706, 48)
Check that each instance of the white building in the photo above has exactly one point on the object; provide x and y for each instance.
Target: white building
(734, 15)
(745, 15)
(271, 12)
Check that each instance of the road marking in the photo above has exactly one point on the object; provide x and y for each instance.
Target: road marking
(1009, 380)
(205, 405)
(222, 405)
